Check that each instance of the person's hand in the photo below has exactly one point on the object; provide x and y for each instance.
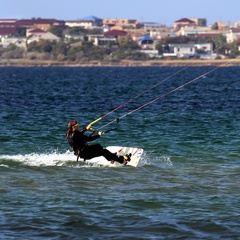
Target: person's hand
(101, 133)
(89, 127)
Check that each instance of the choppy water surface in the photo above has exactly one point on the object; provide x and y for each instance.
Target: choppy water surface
(186, 185)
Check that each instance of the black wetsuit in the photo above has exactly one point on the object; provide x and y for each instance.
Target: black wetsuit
(78, 142)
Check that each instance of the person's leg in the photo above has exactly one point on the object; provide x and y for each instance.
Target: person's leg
(97, 150)
(92, 151)
(112, 156)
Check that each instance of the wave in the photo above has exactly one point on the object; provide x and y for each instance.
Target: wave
(68, 159)
(50, 159)
(39, 159)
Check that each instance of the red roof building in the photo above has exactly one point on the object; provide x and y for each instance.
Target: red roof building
(44, 24)
(115, 33)
(7, 29)
(34, 31)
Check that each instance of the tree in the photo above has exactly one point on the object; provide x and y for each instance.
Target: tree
(60, 48)
(21, 31)
(41, 46)
(13, 51)
(76, 31)
(232, 49)
(160, 47)
(127, 42)
(215, 26)
(56, 31)
(220, 44)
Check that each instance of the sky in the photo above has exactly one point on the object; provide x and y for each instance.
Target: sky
(164, 12)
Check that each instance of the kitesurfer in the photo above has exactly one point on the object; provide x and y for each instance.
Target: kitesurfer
(78, 142)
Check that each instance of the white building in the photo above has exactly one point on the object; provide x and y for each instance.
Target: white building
(233, 35)
(18, 41)
(192, 31)
(104, 40)
(180, 50)
(47, 36)
(87, 22)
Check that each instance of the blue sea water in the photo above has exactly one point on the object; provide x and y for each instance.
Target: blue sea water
(187, 185)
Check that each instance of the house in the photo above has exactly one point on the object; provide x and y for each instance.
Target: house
(160, 33)
(204, 47)
(93, 21)
(192, 31)
(104, 40)
(179, 50)
(34, 31)
(107, 37)
(200, 22)
(124, 23)
(74, 37)
(223, 25)
(146, 42)
(115, 33)
(46, 36)
(7, 29)
(40, 23)
(86, 22)
(183, 22)
(17, 41)
(233, 35)
(189, 50)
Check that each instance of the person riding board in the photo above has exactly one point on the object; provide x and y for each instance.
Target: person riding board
(78, 142)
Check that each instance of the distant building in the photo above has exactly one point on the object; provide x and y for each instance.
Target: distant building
(34, 31)
(223, 25)
(183, 22)
(179, 50)
(86, 22)
(236, 24)
(46, 36)
(188, 50)
(40, 23)
(7, 29)
(200, 22)
(192, 31)
(150, 24)
(124, 23)
(145, 40)
(115, 33)
(233, 35)
(98, 41)
(8, 20)
(190, 22)
(204, 47)
(17, 41)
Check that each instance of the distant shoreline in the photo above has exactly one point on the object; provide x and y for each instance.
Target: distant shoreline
(123, 63)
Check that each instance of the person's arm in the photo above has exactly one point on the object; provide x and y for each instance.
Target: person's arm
(90, 138)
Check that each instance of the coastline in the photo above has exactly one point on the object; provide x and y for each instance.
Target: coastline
(122, 63)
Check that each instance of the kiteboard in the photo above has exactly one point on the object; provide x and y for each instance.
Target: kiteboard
(136, 154)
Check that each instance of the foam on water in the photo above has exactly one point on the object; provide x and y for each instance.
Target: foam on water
(41, 159)
(60, 159)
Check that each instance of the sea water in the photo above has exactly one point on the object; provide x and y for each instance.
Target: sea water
(187, 184)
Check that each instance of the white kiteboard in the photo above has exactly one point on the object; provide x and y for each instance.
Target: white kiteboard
(136, 154)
